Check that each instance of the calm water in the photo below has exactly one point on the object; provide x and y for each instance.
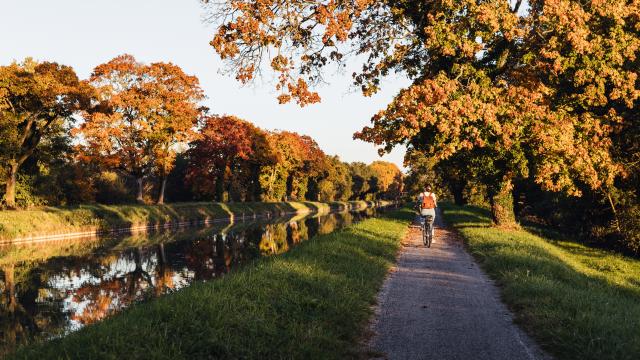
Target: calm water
(50, 289)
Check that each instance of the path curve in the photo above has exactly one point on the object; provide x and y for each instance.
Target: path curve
(438, 304)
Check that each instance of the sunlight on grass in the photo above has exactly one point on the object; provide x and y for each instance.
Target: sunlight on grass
(578, 302)
(51, 221)
(311, 302)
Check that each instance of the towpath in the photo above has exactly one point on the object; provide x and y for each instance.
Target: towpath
(438, 304)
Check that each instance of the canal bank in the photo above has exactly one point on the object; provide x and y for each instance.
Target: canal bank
(85, 221)
(310, 302)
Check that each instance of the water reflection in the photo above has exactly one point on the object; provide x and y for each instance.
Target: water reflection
(76, 284)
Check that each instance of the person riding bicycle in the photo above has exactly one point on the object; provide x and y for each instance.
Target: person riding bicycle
(427, 204)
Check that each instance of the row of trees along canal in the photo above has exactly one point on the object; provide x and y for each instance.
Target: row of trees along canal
(140, 133)
(536, 98)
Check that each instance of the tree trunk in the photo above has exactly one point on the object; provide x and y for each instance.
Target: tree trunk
(220, 188)
(459, 199)
(162, 188)
(10, 189)
(139, 197)
(501, 201)
(458, 195)
(10, 287)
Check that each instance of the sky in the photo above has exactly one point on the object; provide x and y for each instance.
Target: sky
(86, 33)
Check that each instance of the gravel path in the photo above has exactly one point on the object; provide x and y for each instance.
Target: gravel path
(438, 304)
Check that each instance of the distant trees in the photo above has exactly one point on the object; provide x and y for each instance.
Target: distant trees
(226, 160)
(298, 166)
(141, 130)
(233, 160)
(387, 174)
(336, 181)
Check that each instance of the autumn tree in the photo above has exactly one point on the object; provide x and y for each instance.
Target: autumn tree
(335, 182)
(228, 158)
(343, 181)
(361, 175)
(539, 88)
(37, 101)
(299, 160)
(141, 113)
(421, 173)
(387, 173)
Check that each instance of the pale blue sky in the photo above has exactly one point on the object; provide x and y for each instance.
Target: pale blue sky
(86, 33)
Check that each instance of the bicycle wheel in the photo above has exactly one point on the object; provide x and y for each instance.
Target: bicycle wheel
(429, 235)
(424, 233)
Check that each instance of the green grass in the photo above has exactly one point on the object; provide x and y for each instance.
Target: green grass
(578, 302)
(310, 303)
(53, 220)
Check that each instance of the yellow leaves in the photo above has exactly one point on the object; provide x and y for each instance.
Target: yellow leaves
(280, 63)
(301, 93)
(386, 173)
(245, 74)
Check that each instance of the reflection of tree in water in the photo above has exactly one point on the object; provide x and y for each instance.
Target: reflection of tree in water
(16, 323)
(312, 223)
(274, 239)
(163, 274)
(327, 224)
(297, 232)
(199, 258)
(278, 238)
(21, 315)
(106, 294)
(48, 298)
(221, 257)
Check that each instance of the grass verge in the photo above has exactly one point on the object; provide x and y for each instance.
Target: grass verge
(578, 302)
(309, 303)
(54, 220)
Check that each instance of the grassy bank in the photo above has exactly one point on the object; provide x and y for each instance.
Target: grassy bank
(310, 303)
(52, 220)
(578, 302)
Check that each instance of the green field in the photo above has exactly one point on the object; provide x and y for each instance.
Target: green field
(578, 302)
(312, 302)
(54, 220)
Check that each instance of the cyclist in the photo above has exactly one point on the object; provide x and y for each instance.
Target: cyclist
(427, 204)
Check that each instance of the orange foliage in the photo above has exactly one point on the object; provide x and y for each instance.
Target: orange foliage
(542, 88)
(228, 148)
(141, 113)
(386, 174)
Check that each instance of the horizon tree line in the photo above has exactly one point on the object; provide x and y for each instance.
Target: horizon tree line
(132, 129)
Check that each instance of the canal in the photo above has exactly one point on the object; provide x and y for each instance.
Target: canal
(50, 289)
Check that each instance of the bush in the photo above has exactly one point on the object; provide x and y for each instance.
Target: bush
(111, 188)
(26, 196)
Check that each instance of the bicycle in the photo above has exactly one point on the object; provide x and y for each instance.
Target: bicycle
(427, 230)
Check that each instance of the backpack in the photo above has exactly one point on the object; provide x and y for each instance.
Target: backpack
(427, 202)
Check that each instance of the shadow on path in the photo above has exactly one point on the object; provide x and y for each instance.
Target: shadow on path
(438, 304)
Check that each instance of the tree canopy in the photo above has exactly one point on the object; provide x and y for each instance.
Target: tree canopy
(37, 101)
(141, 113)
(523, 91)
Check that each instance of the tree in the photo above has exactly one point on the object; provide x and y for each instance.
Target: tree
(335, 182)
(530, 92)
(360, 175)
(229, 154)
(36, 100)
(141, 113)
(299, 161)
(422, 172)
(387, 173)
